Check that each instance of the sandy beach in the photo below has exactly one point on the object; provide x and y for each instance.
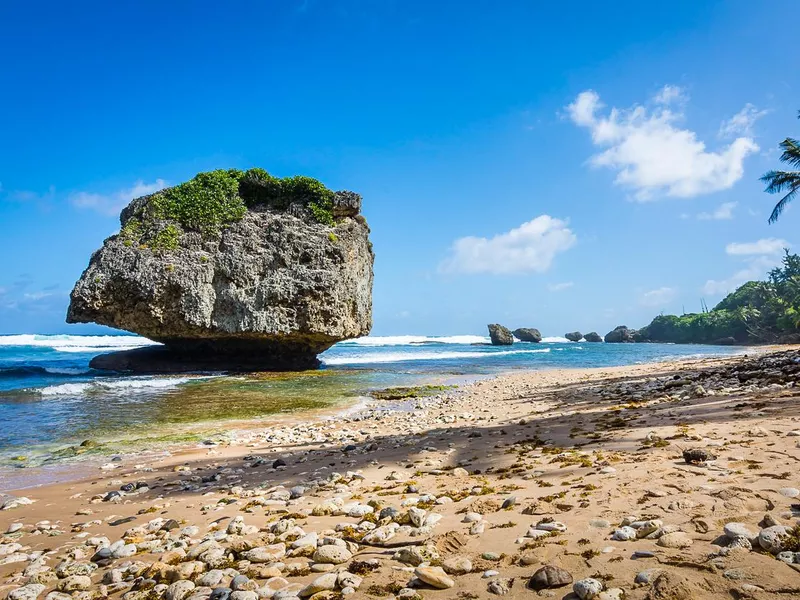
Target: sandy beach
(546, 483)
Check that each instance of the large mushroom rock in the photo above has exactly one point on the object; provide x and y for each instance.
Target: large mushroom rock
(621, 334)
(232, 271)
(528, 334)
(574, 336)
(500, 336)
(593, 336)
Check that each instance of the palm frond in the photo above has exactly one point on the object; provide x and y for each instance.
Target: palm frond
(778, 181)
(791, 152)
(776, 212)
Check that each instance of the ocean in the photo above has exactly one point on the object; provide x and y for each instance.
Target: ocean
(51, 401)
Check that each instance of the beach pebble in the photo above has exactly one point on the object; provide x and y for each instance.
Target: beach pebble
(457, 565)
(624, 534)
(587, 588)
(734, 530)
(434, 577)
(320, 584)
(550, 576)
(472, 517)
(676, 539)
(500, 586)
(789, 492)
(332, 554)
(646, 576)
(490, 573)
(27, 592)
(77, 583)
(265, 554)
(771, 539)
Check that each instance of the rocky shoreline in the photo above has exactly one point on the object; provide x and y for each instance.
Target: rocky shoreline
(663, 481)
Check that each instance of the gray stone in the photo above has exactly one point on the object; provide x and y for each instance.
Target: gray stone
(500, 336)
(434, 577)
(550, 576)
(734, 530)
(587, 588)
(500, 586)
(528, 334)
(772, 538)
(332, 554)
(271, 290)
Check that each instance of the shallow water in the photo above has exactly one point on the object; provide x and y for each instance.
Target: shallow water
(50, 401)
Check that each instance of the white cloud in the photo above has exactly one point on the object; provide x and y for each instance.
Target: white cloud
(723, 212)
(658, 297)
(762, 246)
(742, 122)
(36, 296)
(669, 94)
(560, 287)
(756, 268)
(529, 248)
(111, 204)
(651, 155)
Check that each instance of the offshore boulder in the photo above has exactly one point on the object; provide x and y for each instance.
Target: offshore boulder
(574, 336)
(499, 335)
(232, 270)
(621, 335)
(528, 334)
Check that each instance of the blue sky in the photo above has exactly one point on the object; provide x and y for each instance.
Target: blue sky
(519, 163)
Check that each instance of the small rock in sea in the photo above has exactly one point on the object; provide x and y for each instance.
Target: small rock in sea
(434, 577)
(587, 588)
(696, 456)
(500, 586)
(550, 576)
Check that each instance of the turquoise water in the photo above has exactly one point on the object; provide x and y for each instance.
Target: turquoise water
(50, 401)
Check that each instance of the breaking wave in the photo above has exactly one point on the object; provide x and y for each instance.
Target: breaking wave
(76, 343)
(390, 357)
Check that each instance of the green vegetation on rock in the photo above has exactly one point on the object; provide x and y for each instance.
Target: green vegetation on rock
(756, 312)
(403, 393)
(212, 200)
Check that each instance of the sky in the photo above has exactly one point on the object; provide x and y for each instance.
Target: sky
(521, 164)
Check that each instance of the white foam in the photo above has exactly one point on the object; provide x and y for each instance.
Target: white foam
(77, 343)
(115, 385)
(407, 340)
(554, 340)
(66, 370)
(390, 357)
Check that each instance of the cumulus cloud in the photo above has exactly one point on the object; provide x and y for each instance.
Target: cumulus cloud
(723, 212)
(657, 297)
(651, 154)
(755, 268)
(529, 248)
(742, 122)
(560, 287)
(762, 246)
(111, 204)
(757, 258)
(670, 94)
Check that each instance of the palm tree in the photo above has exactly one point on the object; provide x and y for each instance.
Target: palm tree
(784, 181)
